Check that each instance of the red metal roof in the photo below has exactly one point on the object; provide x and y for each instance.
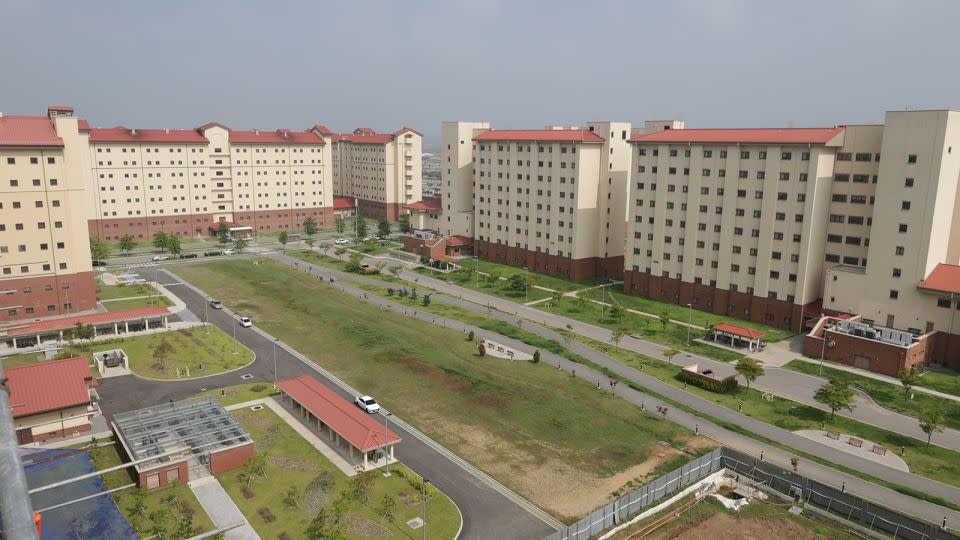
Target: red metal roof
(83, 125)
(405, 129)
(748, 333)
(94, 318)
(363, 131)
(60, 108)
(371, 138)
(545, 135)
(429, 204)
(282, 136)
(358, 427)
(457, 240)
(28, 131)
(743, 135)
(127, 135)
(342, 203)
(48, 386)
(943, 278)
(322, 129)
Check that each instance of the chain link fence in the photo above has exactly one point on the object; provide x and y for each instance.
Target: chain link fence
(826, 498)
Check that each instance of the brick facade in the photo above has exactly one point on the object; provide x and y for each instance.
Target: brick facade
(143, 227)
(231, 458)
(45, 291)
(554, 265)
(288, 219)
(376, 210)
(163, 474)
(936, 348)
(776, 313)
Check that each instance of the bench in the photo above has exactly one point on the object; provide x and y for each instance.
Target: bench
(853, 441)
(835, 435)
(877, 449)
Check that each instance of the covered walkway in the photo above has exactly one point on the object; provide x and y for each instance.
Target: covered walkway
(343, 420)
(738, 334)
(32, 334)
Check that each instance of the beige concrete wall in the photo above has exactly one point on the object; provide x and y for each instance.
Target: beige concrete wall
(52, 421)
(456, 176)
(389, 173)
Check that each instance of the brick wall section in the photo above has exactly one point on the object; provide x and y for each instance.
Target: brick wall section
(376, 210)
(231, 458)
(143, 227)
(554, 265)
(288, 219)
(945, 350)
(82, 294)
(776, 313)
(24, 436)
(868, 354)
(162, 471)
(435, 249)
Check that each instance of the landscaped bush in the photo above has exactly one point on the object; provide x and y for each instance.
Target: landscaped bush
(720, 387)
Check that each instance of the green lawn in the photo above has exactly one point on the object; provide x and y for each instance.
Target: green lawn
(932, 461)
(946, 382)
(544, 280)
(533, 428)
(241, 393)
(500, 288)
(889, 395)
(205, 350)
(163, 508)
(375, 248)
(670, 334)
(113, 292)
(292, 462)
(17, 360)
(133, 303)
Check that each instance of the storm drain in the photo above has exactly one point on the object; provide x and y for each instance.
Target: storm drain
(256, 408)
(415, 523)
(246, 376)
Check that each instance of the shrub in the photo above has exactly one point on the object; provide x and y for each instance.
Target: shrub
(258, 388)
(470, 336)
(481, 349)
(536, 356)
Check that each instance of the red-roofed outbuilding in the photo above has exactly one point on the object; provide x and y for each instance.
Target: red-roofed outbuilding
(320, 405)
(50, 399)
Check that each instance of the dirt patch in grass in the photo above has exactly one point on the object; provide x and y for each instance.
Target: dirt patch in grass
(247, 492)
(364, 527)
(722, 526)
(292, 464)
(266, 515)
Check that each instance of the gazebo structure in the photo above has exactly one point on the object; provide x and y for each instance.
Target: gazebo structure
(737, 334)
(343, 420)
(32, 334)
(191, 439)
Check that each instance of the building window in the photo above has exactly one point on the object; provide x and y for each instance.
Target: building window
(908, 182)
(912, 158)
(894, 294)
(943, 302)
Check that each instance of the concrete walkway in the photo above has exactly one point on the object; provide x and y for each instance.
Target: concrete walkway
(221, 508)
(890, 458)
(879, 377)
(709, 429)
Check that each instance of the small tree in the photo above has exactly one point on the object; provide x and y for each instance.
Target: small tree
(388, 506)
(283, 238)
(160, 241)
(664, 319)
(617, 311)
(750, 369)
(396, 270)
(670, 353)
(380, 265)
(837, 395)
(470, 336)
(324, 526)
(555, 297)
(481, 348)
(494, 276)
(413, 293)
(173, 244)
(309, 226)
(360, 487)
(516, 283)
(931, 421)
(241, 243)
(353, 265)
(310, 241)
(98, 249)
(126, 243)
(536, 356)
(581, 299)
(361, 227)
(292, 497)
(339, 251)
(390, 291)
(619, 333)
(340, 224)
(426, 300)
(404, 223)
(160, 352)
(383, 227)
(908, 378)
(223, 233)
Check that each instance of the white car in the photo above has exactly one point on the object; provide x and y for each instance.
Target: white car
(229, 251)
(341, 241)
(246, 322)
(368, 404)
(157, 258)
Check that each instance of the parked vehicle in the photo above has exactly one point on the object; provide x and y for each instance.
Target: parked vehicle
(246, 322)
(212, 253)
(341, 241)
(99, 263)
(229, 251)
(216, 304)
(188, 255)
(157, 258)
(368, 404)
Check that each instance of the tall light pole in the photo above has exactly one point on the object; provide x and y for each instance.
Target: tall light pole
(476, 269)
(235, 351)
(823, 349)
(275, 340)
(424, 486)
(386, 433)
(689, 321)
(526, 285)
(206, 315)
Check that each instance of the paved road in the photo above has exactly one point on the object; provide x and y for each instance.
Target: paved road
(786, 383)
(827, 475)
(487, 513)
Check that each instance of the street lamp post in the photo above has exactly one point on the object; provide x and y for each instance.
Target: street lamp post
(424, 486)
(526, 285)
(275, 378)
(689, 321)
(235, 351)
(823, 349)
(386, 432)
(476, 269)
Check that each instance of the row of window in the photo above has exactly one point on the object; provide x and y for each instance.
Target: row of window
(744, 154)
(25, 269)
(33, 160)
(35, 182)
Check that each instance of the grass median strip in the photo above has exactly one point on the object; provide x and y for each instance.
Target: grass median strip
(553, 438)
(889, 395)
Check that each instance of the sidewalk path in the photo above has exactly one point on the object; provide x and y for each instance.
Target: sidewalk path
(827, 475)
(221, 508)
(879, 377)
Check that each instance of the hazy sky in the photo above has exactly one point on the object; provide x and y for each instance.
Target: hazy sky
(516, 64)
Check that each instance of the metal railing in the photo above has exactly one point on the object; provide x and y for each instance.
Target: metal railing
(16, 513)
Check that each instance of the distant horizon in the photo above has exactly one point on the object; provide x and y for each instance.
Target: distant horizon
(725, 63)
